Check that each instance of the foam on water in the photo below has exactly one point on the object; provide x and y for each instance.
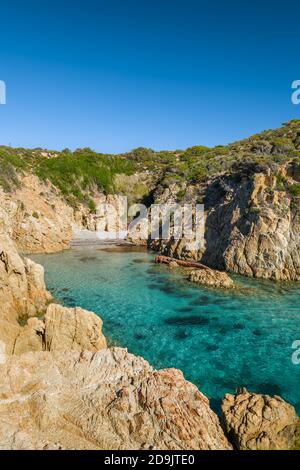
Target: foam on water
(220, 340)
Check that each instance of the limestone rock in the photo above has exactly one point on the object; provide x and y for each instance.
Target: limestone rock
(211, 278)
(105, 400)
(259, 422)
(72, 329)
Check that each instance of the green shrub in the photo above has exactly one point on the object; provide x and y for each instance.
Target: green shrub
(294, 189)
(280, 182)
(92, 206)
(79, 174)
(196, 150)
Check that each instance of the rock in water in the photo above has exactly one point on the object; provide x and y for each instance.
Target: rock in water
(259, 422)
(211, 278)
(105, 400)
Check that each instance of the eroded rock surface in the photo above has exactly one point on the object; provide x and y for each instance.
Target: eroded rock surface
(23, 292)
(105, 400)
(212, 278)
(252, 227)
(72, 329)
(259, 422)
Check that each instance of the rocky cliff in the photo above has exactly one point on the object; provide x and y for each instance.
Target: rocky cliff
(252, 227)
(22, 291)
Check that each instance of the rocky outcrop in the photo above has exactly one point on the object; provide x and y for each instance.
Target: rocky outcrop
(252, 226)
(22, 291)
(36, 217)
(105, 400)
(211, 278)
(259, 422)
(72, 329)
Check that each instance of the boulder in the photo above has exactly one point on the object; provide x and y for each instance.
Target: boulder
(259, 422)
(72, 328)
(211, 278)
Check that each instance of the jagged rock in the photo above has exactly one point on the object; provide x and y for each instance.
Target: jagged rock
(35, 217)
(23, 295)
(211, 278)
(30, 337)
(251, 227)
(22, 291)
(259, 422)
(105, 400)
(72, 329)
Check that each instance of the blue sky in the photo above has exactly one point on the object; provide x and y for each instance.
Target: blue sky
(114, 75)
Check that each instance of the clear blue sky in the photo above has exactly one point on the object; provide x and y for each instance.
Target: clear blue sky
(117, 74)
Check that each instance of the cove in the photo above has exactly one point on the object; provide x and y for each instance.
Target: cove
(220, 340)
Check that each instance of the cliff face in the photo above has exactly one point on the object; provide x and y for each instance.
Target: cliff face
(22, 291)
(251, 227)
(36, 217)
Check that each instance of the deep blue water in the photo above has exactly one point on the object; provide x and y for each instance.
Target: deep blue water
(220, 340)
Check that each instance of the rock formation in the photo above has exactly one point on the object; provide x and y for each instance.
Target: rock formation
(251, 227)
(212, 278)
(22, 291)
(105, 400)
(72, 329)
(35, 217)
(259, 422)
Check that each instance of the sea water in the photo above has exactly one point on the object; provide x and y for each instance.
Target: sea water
(220, 339)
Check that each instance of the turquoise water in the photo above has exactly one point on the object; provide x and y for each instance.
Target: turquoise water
(220, 340)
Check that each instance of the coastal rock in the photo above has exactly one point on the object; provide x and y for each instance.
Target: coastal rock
(173, 264)
(30, 337)
(252, 227)
(211, 278)
(35, 217)
(72, 329)
(259, 422)
(22, 291)
(105, 400)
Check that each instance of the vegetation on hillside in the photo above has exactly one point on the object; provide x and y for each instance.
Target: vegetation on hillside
(78, 174)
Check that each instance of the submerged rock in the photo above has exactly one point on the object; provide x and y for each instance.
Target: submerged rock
(211, 278)
(259, 422)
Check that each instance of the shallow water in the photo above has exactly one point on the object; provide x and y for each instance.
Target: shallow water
(220, 340)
